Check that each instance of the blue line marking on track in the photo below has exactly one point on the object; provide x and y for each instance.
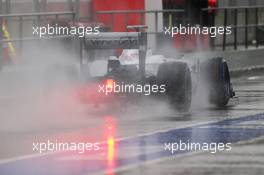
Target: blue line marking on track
(67, 164)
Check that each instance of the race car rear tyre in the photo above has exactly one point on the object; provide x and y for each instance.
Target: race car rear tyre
(216, 75)
(176, 77)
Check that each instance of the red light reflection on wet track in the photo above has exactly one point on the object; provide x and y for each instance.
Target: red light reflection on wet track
(111, 144)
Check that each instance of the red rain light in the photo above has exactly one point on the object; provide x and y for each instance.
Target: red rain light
(110, 83)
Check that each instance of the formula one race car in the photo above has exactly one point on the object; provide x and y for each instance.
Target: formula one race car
(138, 73)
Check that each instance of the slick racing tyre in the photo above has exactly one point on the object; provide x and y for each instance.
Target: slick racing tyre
(176, 77)
(215, 73)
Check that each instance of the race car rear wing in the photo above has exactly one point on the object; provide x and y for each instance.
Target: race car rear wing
(113, 40)
(116, 40)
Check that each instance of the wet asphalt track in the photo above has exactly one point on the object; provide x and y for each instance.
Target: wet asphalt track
(32, 115)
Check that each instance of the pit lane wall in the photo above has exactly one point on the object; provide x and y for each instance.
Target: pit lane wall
(239, 61)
